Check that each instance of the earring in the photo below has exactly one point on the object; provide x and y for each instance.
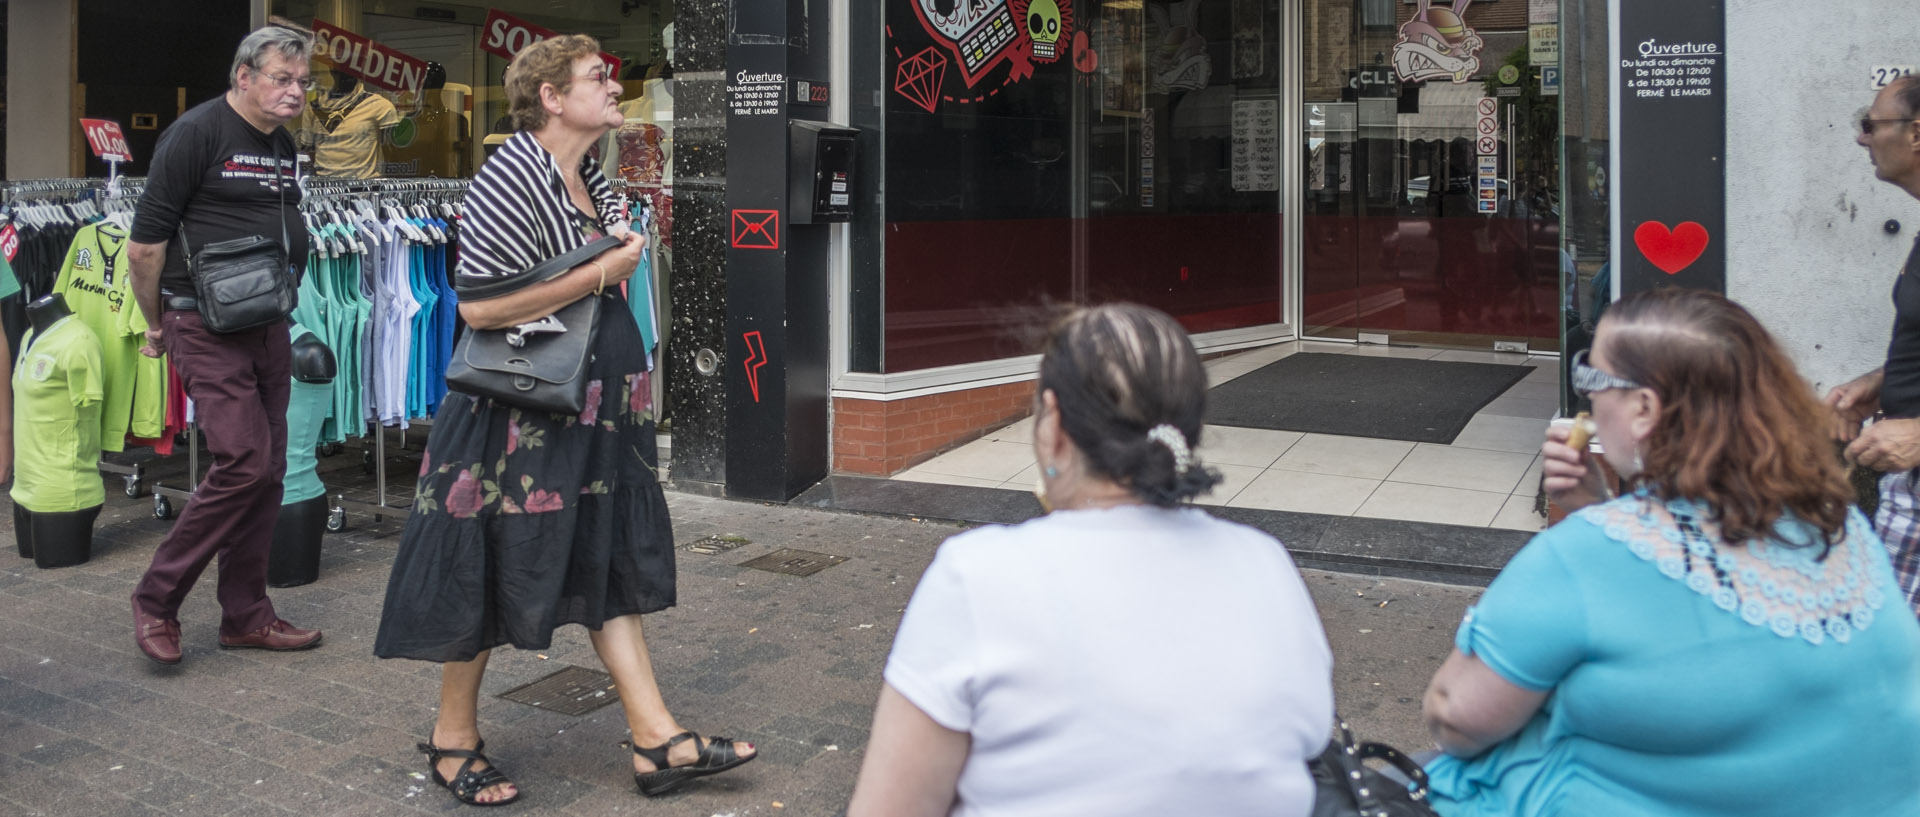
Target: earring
(1052, 472)
(1639, 465)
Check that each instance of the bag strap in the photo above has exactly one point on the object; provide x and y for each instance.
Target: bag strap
(279, 185)
(1399, 760)
(1365, 799)
(487, 287)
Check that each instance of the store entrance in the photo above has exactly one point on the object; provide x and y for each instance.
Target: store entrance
(1430, 204)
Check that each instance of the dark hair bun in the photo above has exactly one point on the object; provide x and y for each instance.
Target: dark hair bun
(1132, 394)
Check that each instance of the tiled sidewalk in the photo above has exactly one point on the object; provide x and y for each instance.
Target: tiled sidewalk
(1488, 477)
(90, 727)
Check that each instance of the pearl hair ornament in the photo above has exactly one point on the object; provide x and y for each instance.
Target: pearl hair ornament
(1176, 442)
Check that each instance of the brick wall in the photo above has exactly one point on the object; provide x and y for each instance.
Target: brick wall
(885, 437)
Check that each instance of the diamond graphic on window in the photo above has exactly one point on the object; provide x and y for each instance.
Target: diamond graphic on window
(919, 76)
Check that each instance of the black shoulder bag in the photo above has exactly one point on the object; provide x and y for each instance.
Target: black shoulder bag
(244, 283)
(1345, 786)
(540, 365)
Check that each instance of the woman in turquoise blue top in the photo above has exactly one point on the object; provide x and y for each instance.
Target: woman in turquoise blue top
(1723, 639)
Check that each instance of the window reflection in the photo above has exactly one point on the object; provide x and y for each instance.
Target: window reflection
(1135, 157)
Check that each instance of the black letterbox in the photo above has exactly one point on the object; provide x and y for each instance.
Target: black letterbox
(820, 172)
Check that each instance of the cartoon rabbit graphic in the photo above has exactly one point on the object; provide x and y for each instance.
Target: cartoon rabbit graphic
(1437, 44)
(1179, 62)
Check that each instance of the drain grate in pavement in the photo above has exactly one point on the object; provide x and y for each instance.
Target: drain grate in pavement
(711, 545)
(794, 562)
(571, 691)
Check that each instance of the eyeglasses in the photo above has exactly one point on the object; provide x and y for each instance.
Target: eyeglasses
(1867, 123)
(598, 77)
(284, 80)
(1588, 380)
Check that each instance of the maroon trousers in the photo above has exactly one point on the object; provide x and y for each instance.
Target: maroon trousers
(239, 384)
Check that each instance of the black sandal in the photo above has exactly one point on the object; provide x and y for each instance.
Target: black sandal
(716, 755)
(467, 784)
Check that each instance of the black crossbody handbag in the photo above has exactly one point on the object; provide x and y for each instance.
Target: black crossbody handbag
(1344, 786)
(540, 365)
(244, 283)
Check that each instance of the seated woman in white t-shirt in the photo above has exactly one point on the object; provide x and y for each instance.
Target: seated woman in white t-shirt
(1122, 655)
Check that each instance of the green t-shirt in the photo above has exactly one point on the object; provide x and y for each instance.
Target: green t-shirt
(57, 394)
(97, 287)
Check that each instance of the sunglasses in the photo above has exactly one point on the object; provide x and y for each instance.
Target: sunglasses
(1588, 380)
(1867, 123)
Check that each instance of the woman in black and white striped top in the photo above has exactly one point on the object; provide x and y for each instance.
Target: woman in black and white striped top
(524, 521)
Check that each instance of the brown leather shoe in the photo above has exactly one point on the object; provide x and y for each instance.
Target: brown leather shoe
(159, 638)
(276, 636)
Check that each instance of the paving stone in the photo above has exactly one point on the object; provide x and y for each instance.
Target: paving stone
(65, 753)
(792, 664)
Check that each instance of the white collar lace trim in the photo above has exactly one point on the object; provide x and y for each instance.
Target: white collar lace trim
(1767, 583)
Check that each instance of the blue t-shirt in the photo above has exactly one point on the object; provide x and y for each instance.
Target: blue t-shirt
(1693, 679)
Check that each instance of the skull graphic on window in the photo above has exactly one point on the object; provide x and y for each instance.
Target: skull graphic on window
(1043, 25)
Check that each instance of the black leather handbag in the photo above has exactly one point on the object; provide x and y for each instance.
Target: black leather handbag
(1344, 786)
(244, 283)
(539, 365)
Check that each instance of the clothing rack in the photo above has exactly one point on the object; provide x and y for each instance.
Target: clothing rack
(112, 195)
(319, 194)
(120, 194)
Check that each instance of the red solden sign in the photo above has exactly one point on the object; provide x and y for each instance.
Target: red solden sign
(504, 35)
(108, 143)
(373, 63)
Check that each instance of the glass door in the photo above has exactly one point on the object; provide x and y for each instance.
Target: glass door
(1428, 214)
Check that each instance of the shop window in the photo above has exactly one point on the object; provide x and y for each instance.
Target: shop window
(1377, 14)
(1050, 152)
(413, 90)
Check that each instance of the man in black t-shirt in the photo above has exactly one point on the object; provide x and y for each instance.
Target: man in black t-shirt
(224, 170)
(1890, 131)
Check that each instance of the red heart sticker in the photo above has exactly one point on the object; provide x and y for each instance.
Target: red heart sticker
(1671, 250)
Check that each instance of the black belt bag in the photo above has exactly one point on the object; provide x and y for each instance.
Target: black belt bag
(244, 283)
(540, 365)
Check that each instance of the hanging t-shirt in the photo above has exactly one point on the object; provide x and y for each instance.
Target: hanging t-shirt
(374, 319)
(316, 309)
(420, 368)
(13, 312)
(640, 289)
(446, 314)
(57, 392)
(96, 285)
(396, 351)
(9, 285)
(345, 133)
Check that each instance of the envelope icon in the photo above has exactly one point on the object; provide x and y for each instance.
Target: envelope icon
(756, 229)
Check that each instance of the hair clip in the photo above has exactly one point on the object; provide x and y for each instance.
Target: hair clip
(1176, 442)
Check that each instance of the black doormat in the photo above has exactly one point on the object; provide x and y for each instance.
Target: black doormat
(1422, 401)
(1427, 551)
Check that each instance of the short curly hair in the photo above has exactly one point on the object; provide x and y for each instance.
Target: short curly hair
(548, 62)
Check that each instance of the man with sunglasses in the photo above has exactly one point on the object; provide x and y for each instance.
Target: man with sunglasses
(224, 170)
(1890, 131)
